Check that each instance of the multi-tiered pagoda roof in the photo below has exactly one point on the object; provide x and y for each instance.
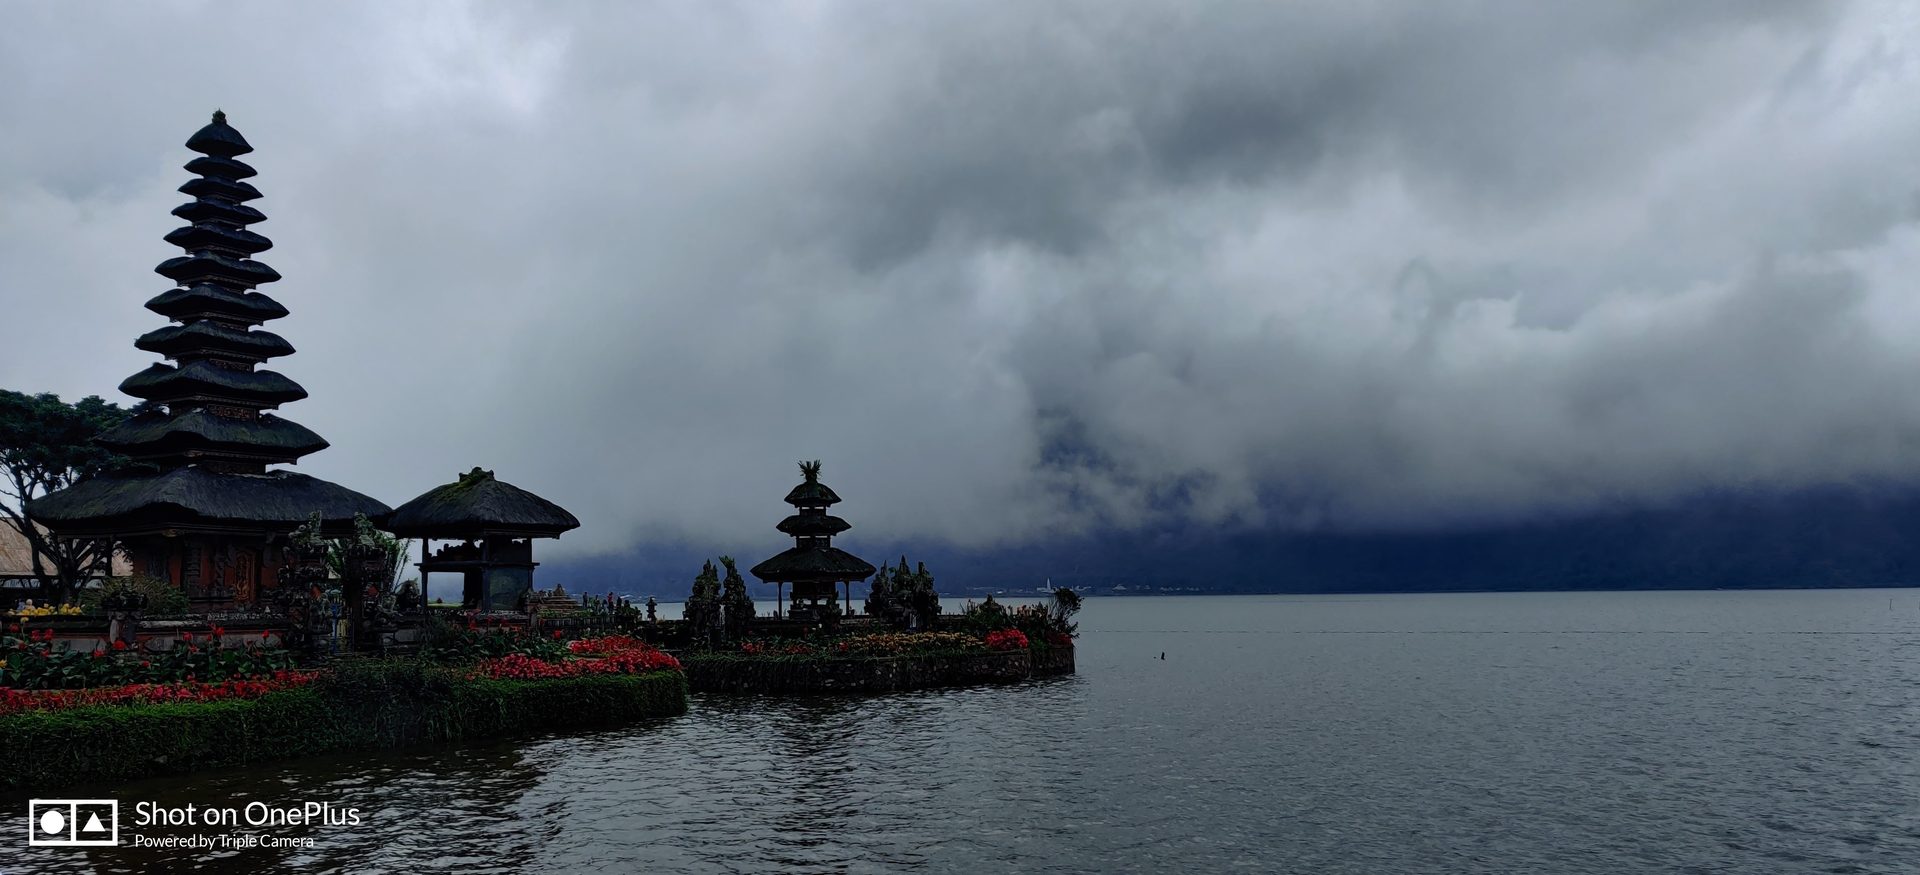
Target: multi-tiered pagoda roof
(813, 558)
(205, 437)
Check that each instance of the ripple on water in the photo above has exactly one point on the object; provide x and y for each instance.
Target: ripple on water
(1752, 743)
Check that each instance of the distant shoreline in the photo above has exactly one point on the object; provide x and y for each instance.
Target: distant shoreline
(1092, 593)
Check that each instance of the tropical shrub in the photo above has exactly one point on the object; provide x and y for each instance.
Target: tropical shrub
(30, 661)
(155, 597)
(476, 641)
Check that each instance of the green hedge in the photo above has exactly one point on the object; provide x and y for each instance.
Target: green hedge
(370, 705)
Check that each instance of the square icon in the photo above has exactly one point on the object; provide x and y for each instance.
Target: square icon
(73, 822)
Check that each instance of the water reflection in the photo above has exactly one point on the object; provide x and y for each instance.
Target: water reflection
(1578, 733)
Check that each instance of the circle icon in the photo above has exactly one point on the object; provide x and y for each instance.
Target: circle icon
(53, 821)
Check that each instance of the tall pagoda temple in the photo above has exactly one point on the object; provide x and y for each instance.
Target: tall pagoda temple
(814, 566)
(203, 507)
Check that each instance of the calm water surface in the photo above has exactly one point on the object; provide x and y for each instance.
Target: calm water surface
(1750, 732)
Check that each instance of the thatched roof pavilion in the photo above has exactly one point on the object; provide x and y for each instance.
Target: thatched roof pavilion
(813, 565)
(207, 511)
(494, 522)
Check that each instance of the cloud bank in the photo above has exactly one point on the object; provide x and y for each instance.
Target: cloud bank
(1014, 271)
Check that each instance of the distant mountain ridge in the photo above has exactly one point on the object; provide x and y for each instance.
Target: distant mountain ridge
(1818, 538)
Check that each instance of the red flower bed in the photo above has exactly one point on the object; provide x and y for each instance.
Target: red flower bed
(614, 654)
(13, 701)
(1007, 639)
(606, 645)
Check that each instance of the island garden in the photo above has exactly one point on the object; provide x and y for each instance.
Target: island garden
(200, 606)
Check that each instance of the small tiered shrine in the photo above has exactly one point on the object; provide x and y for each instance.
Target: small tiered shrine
(203, 506)
(493, 524)
(813, 566)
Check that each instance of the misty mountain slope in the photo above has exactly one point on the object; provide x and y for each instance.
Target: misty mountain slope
(1833, 537)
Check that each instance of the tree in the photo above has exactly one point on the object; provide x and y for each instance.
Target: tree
(368, 539)
(881, 600)
(736, 599)
(702, 610)
(47, 445)
(1060, 611)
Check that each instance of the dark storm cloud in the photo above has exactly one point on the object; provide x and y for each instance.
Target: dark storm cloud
(1017, 270)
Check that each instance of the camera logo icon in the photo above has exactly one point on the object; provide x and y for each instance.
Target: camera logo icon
(73, 823)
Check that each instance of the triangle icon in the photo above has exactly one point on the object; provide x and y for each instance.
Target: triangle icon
(94, 824)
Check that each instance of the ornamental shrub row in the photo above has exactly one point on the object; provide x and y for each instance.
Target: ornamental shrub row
(365, 704)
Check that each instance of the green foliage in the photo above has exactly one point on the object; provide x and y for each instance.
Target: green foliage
(736, 603)
(367, 704)
(987, 615)
(31, 665)
(702, 608)
(40, 750)
(448, 643)
(921, 594)
(882, 601)
(159, 597)
(46, 445)
(1061, 609)
(368, 538)
(1040, 623)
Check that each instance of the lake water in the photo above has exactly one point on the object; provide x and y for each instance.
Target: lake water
(1749, 732)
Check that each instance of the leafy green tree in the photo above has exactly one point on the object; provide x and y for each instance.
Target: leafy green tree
(47, 445)
(1061, 609)
(367, 537)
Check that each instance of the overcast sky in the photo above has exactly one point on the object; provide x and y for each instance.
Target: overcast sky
(1014, 269)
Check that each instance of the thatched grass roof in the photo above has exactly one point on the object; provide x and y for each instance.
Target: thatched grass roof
(204, 298)
(164, 382)
(199, 430)
(195, 496)
(813, 524)
(479, 504)
(219, 139)
(811, 492)
(813, 563)
(206, 335)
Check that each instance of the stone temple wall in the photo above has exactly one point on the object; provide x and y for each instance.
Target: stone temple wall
(728, 674)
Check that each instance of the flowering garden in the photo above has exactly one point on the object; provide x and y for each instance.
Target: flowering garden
(30, 659)
(988, 643)
(613, 654)
(14, 700)
(73, 715)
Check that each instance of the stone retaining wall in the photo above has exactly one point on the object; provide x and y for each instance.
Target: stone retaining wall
(785, 677)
